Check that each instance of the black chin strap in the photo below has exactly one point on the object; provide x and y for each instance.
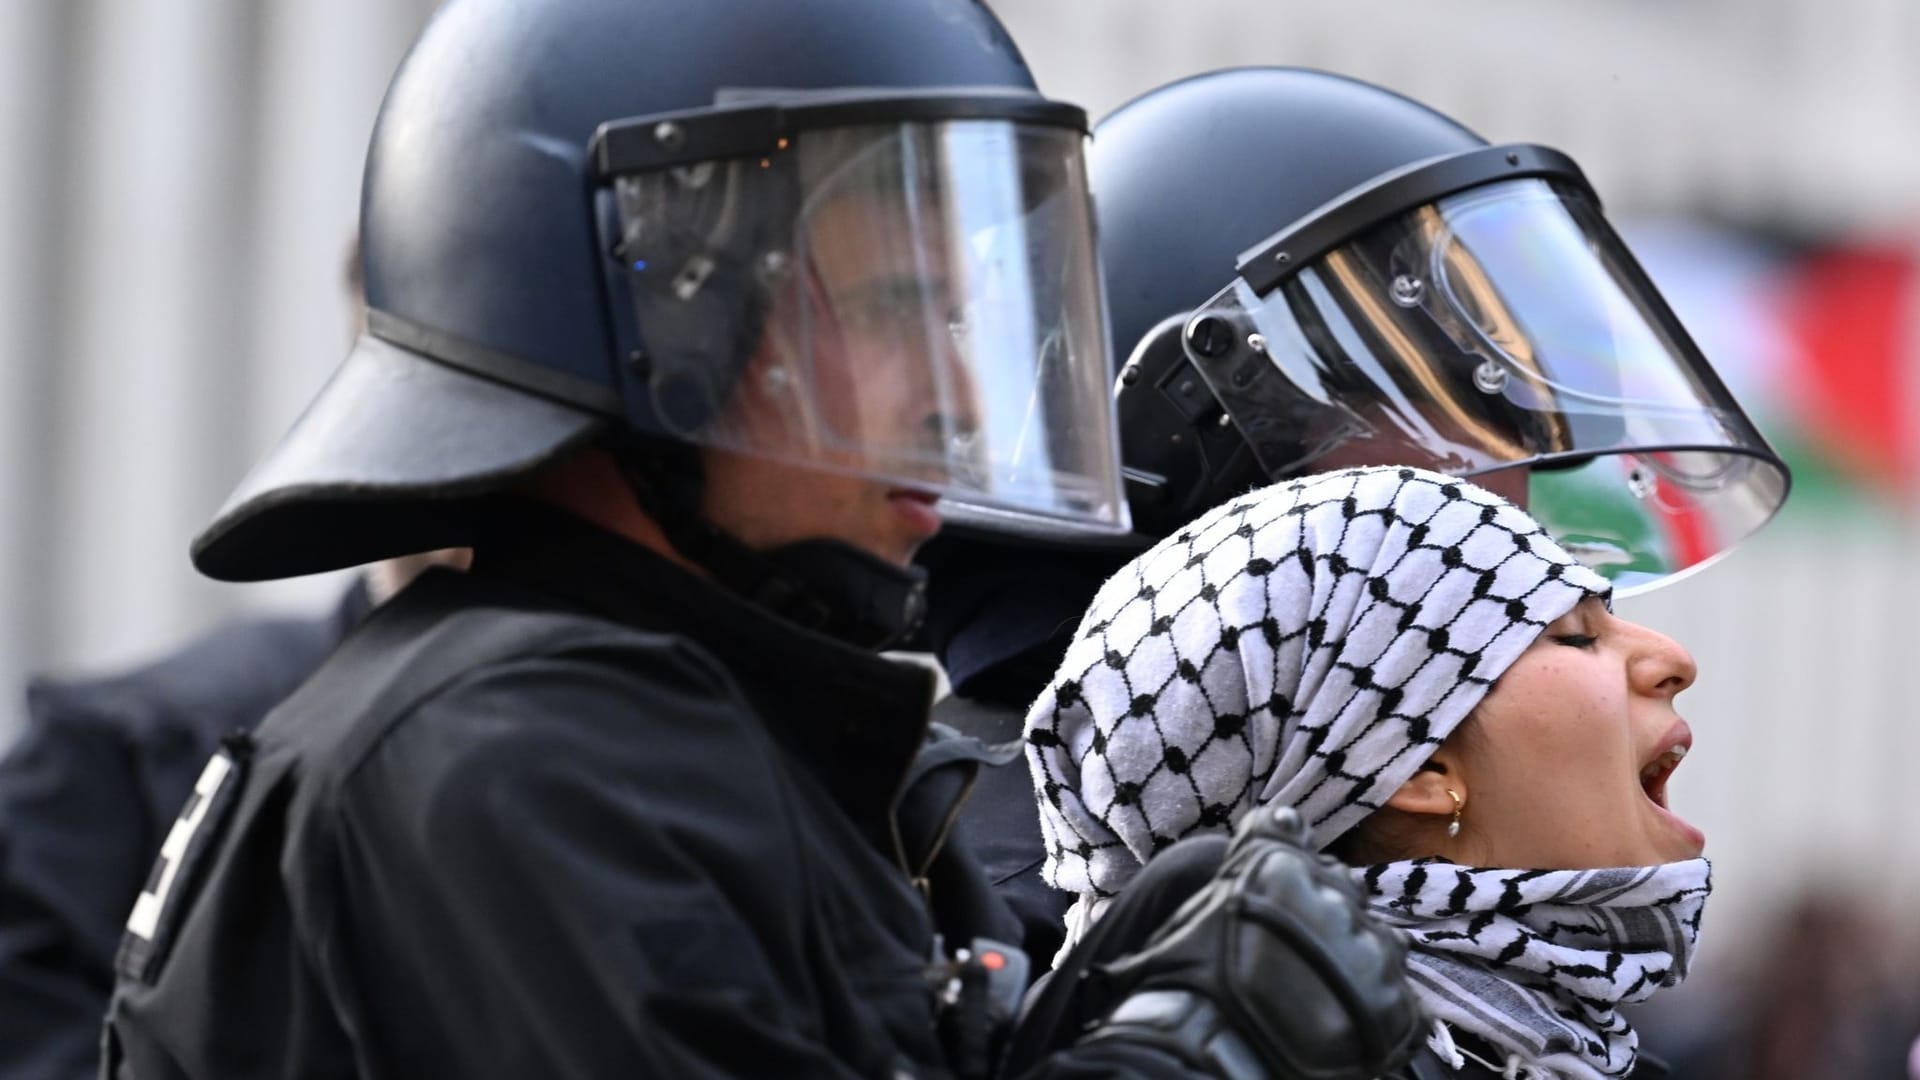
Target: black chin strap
(827, 586)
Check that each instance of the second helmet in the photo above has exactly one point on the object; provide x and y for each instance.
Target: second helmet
(1307, 272)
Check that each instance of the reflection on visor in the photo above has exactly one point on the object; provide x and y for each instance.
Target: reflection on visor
(916, 303)
(1641, 518)
(1505, 326)
(1523, 275)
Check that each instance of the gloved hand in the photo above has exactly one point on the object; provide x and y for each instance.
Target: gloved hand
(1273, 969)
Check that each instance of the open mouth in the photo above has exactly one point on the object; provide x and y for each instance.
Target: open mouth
(1669, 752)
(1653, 775)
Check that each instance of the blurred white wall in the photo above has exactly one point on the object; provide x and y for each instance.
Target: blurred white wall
(1806, 115)
(178, 191)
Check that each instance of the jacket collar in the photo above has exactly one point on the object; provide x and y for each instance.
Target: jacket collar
(855, 718)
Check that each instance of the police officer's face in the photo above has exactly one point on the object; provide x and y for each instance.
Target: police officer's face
(857, 376)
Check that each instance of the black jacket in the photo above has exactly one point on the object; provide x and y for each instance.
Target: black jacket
(1001, 824)
(86, 796)
(1000, 618)
(575, 813)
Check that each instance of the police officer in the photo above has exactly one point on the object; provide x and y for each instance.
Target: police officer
(690, 321)
(1308, 272)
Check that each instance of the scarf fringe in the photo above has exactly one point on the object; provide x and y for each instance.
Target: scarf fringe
(1441, 1042)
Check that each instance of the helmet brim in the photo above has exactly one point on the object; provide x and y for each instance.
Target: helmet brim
(384, 462)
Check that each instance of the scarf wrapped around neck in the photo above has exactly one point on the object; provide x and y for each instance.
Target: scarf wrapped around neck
(1537, 962)
(1313, 643)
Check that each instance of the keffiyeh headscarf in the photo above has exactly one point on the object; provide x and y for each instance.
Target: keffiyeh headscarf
(1312, 643)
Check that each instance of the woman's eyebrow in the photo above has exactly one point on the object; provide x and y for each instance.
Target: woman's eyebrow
(1577, 618)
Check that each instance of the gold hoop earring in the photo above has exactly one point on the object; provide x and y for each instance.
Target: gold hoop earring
(1453, 827)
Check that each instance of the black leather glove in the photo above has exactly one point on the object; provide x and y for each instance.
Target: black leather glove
(1273, 969)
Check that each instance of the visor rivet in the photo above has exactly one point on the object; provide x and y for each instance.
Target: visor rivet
(1282, 258)
(1210, 336)
(668, 134)
(1407, 290)
(1490, 377)
(1640, 482)
(1130, 374)
(1513, 158)
(1257, 342)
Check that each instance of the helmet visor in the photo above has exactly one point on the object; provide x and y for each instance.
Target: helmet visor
(913, 302)
(1503, 326)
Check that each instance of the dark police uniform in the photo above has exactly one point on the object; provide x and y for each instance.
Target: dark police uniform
(575, 813)
(1000, 619)
(86, 796)
(1000, 824)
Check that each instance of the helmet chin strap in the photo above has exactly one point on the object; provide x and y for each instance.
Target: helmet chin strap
(828, 586)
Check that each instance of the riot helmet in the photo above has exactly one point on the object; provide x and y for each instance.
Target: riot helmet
(842, 234)
(1384, 287)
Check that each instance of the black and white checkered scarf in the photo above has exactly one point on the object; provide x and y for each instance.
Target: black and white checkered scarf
(1312, 643)
(1537, 962)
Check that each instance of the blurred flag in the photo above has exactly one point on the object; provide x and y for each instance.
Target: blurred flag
(1822, 347)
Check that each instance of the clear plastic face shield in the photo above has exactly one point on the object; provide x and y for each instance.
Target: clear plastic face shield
(914, 300)
(1502, 332)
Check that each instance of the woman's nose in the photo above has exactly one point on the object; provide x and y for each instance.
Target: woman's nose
(1661, 665)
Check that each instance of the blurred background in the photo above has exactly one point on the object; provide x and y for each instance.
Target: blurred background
(179, 181)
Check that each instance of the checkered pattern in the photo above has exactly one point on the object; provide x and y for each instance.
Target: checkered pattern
(1537, 962)
(1310, 643)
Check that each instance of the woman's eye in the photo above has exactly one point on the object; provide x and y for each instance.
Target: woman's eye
(1578, 641)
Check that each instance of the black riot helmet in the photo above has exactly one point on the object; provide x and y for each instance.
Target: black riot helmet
(843, 234)
(1308, 272)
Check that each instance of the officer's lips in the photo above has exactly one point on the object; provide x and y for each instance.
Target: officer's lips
(919, 509)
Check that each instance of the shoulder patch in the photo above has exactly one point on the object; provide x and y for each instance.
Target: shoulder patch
(158, 908)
